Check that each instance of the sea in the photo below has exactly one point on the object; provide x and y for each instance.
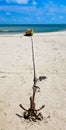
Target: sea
(37, 28)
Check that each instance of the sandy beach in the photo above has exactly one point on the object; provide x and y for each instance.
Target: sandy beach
(16, 80)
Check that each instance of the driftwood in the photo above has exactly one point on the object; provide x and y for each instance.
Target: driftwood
(32, 113)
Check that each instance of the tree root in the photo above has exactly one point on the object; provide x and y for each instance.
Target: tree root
(32, 114)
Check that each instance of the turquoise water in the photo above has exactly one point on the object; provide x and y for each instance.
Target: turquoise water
(37, 28)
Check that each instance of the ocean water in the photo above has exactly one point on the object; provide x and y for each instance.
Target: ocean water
(37, 28)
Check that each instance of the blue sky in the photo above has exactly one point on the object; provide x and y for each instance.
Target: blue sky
(32, 11)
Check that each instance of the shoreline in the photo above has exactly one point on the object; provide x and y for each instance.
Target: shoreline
(18, 33)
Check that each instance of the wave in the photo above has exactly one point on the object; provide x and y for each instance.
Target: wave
(9, 31)
(4, 30)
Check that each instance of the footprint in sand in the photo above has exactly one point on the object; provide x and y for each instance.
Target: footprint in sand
(5, 113)
(3, 76)
(55, 48)
(46, 119)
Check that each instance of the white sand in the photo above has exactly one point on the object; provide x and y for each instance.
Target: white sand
(16, 80)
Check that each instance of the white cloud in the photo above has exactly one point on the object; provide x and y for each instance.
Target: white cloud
(61, 17)
(39, 18)
(34, 2)
(54, 8)
(19, 9)
(8, 13)
(47, 9)
(50, 10)
(18, 1)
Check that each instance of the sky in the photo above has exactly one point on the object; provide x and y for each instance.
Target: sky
(32, 11)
